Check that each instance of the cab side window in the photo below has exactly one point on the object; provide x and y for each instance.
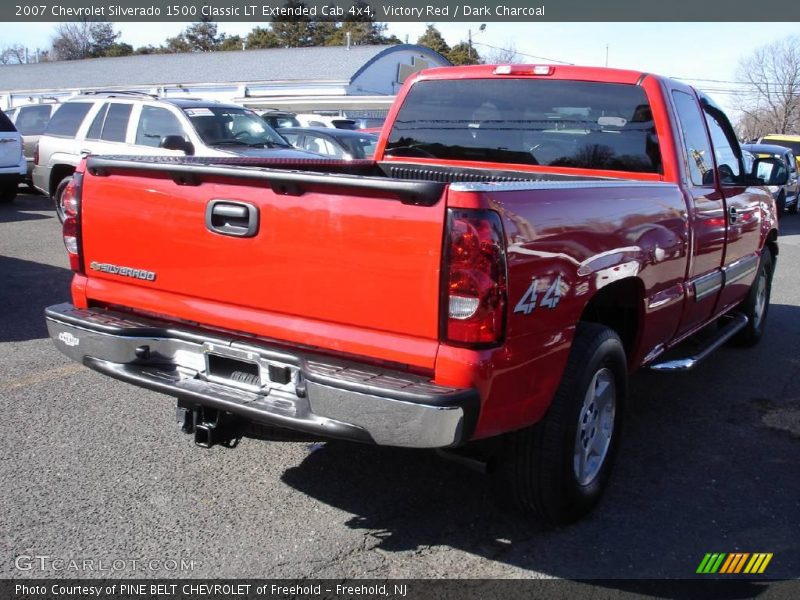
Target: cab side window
(695, 140)
(728, 164)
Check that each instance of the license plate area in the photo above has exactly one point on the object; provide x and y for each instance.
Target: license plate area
(248, 370)
(233, 371)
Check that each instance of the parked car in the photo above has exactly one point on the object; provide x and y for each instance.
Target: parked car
(122, 123)
(12, 161)
(315, 120)
(336, 143)
(31, 120)
(279, 118)
(786, 196)
(781, 139)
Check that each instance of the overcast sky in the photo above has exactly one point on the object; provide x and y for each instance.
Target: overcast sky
(702, 54)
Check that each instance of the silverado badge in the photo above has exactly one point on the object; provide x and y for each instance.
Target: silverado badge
(124, 271)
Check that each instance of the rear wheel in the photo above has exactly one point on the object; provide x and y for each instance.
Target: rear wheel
(62, 185)
(557, 469)
(8, 192)
(793, 207)
(756, 306)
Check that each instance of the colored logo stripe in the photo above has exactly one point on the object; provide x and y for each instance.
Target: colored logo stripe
(758, 563)
(728, 564)
(734, 563)
(711, 563)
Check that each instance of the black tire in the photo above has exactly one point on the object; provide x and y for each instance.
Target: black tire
(756, 307)
(57, 197)
(539, 467)
(8, 193)
(793, 207)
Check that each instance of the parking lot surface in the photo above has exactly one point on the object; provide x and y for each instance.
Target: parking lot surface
(94, 468)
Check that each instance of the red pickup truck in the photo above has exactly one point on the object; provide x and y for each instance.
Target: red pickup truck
(525, 238)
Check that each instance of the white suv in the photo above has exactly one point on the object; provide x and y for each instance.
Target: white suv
(131, 123)
(12, 161)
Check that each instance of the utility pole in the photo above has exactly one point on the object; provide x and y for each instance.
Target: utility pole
(469, 37)
(606, 54)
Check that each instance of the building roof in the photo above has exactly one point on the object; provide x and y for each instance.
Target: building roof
(319, 63)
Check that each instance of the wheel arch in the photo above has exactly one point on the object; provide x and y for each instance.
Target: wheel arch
(57, 174)
(619, 306)
(771, 243)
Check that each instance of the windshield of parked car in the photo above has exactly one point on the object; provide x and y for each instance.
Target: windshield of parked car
(218, 126)
(579, 124)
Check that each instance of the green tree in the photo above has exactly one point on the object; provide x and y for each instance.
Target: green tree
(177, 44)
(262, 37)
(462, 54)
(149, 49)
(432, 38)
(202, 36)
(119, 49)
(231, 42)
(292, 31)
(361, 33)
(103, 38)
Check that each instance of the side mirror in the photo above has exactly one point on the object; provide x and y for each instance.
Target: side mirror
(177, 142)
(770, 171)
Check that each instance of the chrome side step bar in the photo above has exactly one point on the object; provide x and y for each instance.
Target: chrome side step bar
(735, 325)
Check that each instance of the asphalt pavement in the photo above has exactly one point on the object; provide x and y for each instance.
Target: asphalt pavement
(92, 469)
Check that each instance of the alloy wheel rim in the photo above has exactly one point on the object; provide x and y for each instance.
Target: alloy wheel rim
(595, 426)
(761, 299)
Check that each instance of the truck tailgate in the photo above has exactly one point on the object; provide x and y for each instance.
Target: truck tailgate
(325, 264)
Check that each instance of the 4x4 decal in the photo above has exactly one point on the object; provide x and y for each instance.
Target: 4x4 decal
(530, 300)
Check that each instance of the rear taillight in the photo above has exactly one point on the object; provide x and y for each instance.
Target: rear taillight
(71, 203)
(36, 154)
(474, 278)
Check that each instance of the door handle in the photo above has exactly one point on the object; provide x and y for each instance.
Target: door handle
(233, 218)
(733, 214)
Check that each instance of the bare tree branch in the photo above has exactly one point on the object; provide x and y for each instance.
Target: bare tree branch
(773, 72)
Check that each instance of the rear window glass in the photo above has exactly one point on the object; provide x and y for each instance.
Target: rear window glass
(67, 120)
(5, 123)
(32, 120)
(577, 124)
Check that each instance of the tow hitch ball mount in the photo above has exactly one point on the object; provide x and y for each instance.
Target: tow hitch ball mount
(209, 426)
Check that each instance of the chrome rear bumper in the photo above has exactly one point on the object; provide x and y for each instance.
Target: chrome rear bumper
(294, 389)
